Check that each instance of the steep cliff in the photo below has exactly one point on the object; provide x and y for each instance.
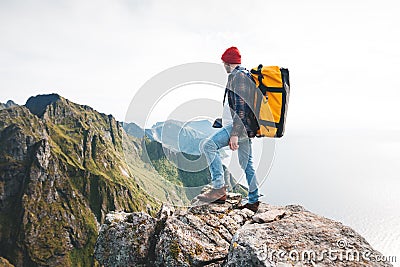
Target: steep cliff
(222, 235)
(63, 167)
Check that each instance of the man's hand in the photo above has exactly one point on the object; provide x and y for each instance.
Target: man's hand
(234, 142)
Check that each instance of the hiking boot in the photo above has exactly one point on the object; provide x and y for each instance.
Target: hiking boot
(253, 207)
(214, 196)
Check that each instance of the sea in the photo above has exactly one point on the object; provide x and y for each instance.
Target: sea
(351, 177)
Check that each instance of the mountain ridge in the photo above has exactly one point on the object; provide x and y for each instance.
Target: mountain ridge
(63, 167)
(61, 171)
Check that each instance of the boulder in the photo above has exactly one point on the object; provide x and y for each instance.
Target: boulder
(201, 235)
(292, 236)
(125, 239)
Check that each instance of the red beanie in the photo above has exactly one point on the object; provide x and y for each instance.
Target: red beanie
(232, 56)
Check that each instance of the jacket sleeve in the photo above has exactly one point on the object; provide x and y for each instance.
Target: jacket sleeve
(239, 85)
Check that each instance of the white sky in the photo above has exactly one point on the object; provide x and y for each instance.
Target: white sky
(343, 56)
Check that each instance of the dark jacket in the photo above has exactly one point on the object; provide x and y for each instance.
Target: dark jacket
(240, 94)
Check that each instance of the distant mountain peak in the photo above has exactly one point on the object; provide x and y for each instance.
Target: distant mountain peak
(9, 104)
(38, 104)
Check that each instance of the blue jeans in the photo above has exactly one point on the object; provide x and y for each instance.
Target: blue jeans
(221, 139)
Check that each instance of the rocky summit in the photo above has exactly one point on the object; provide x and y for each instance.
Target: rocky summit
(222, 235)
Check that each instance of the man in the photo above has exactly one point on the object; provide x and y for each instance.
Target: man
(239, 126)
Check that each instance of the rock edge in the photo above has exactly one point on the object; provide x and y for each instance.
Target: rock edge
(222, 235)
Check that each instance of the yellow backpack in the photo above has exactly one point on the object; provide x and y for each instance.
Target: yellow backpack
(271, 106)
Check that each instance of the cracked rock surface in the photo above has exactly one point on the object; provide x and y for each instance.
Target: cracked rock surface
(221, 235)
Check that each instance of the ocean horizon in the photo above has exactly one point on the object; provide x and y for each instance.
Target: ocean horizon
(351, 178)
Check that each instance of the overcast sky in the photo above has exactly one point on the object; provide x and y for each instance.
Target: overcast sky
(343, 56)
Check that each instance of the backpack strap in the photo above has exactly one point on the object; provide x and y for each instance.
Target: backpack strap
(262, 86)
(226, 91)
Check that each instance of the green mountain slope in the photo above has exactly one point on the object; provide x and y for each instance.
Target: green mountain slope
(63, 166)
